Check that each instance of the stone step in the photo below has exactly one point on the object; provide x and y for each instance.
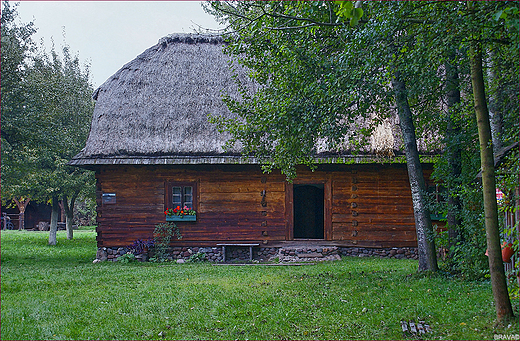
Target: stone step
(309, 255)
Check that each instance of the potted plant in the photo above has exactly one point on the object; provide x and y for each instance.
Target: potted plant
(507, 252)
(180, 214)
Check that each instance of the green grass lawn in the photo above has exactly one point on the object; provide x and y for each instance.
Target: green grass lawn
(55, 293)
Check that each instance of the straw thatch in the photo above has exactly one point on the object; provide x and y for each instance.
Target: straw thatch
(156, 106)
(154, 110)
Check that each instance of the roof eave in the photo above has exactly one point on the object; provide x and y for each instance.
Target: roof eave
(231, 160)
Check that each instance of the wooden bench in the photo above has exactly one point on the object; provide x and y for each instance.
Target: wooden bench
(237, 245)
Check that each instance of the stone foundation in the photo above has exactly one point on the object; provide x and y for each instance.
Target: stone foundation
(267, 254)
(398, 253)
(309, 254)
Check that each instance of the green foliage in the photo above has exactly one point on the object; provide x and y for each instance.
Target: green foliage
(305, 100)
(465, 253)
(46, 112)
(502, 89)
(348, 11)
(197, 257)
(508, 183)
(324, 86)
(16, 47)
(85, 212)
(355, 298)
(128, 257)
(467, 258)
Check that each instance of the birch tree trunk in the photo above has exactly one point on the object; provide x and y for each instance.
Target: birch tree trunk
(54, 221)
(496, 267)
(423, 223)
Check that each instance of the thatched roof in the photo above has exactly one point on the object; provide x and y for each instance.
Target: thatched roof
(155, 109)
(500, 156)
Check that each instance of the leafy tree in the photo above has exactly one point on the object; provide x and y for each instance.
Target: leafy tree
(318, 85)
(61, 92)
(46, 127)
(16, 47)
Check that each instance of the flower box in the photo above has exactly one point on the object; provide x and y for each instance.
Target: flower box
(181, 218)
(437, 216)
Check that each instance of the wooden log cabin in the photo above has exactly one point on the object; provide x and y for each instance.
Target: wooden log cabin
(150, 140)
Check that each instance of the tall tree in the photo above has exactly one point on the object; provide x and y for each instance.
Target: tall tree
(423, 223)
(453, 148)
(64, 99)
(16, 47)
(46, 126)
(498, 279)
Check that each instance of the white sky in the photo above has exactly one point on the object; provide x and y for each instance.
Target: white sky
(108, 34)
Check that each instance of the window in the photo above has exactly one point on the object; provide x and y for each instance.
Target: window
(181, 194)
(437, 195)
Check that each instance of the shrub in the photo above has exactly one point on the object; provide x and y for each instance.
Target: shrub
(126, 258)
(162, 236)
(140, 246)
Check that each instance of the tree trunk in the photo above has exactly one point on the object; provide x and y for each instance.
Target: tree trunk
(496, 267)
(454, 152)
(69, 213)
(423, 223)
(63, 214)
(54, 221)
(22, 205)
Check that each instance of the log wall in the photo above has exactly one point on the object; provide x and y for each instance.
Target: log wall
(365, 205)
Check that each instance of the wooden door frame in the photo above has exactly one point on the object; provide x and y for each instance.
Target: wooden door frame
(327, 205)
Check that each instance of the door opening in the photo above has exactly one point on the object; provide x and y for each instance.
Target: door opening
(308, 211)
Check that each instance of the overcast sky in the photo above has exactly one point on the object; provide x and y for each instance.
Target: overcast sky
(108, 34)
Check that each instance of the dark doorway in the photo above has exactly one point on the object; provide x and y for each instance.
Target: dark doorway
(308, 211)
